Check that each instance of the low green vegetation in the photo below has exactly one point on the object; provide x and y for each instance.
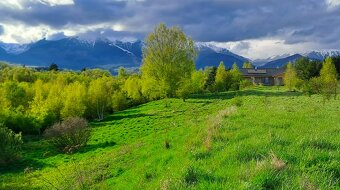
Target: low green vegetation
(314, 77)
(169, 126)
(260, 138)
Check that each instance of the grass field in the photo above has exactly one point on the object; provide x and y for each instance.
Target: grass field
(261, 138)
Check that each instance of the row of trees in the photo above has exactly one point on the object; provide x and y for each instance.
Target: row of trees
(313, 77)
(32, 100)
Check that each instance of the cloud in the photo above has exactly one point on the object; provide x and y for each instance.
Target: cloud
(241, 22)
(1, 29)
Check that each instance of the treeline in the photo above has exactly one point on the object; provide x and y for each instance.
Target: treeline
(31, 100)
(313, 76)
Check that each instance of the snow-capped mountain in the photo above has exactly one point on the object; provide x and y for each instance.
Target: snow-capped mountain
(13, 48)
(211, 55)
(76, 53)
(322, 54)
(314, 55)
(260, 62)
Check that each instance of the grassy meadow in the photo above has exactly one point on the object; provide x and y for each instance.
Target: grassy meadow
(260, 138)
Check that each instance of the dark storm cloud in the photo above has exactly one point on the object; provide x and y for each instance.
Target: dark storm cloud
(204, 20)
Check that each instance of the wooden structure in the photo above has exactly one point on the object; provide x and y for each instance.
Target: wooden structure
(264, 76)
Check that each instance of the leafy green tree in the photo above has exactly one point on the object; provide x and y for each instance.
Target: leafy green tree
(98, 96)
(336, 62)
(133, 88)
(39, 109)
(74, 100)
(168, 58)
(221, 78)
(53, 67)
(193, 85)
(210, 72)
(290, 77)
(236, 77)
(328, 76)
(15, 94)
(247, 65)
(307, 69)
(119, 101)
(198, 79)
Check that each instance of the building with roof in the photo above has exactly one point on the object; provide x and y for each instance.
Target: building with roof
(264, 76)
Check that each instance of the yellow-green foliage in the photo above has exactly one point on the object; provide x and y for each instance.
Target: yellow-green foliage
(290, 78)
(274, 140)
(221, 78)
(328, 76)
(168, 58)
(133, 87)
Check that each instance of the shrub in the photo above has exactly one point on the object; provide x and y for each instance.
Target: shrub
(313, 86)
(244, 84)
(69, 135)
(10, 145)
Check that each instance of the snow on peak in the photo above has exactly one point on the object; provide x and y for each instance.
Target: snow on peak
(13, 48)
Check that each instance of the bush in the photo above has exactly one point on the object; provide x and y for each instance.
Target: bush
(10, 145)
(244, 84)
(69, 135)
(313, 86)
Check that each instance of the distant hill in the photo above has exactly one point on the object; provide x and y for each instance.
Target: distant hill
(314, 55)
(75, 53)
(282, 61)
(210, 55)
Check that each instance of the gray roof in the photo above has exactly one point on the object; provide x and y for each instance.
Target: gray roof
(265, 72)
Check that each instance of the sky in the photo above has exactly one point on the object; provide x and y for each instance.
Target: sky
(252, 28)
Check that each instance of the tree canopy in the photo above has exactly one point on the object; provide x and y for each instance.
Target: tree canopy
(168, 58)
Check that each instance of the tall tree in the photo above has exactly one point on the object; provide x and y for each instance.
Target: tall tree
(328, 77)
(168, 58)
(236, 77)
(307, 69)
(336, 62)
(98, 96)
(210, 72)
(74, 102)
(53, 67)
(221, 78)
(290, 77)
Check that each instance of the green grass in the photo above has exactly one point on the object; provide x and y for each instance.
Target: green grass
(263, 139)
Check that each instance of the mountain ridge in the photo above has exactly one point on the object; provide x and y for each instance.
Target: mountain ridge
(77, 53)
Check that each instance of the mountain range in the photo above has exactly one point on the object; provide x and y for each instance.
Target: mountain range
(75, 53)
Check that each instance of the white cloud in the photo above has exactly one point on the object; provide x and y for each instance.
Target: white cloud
(19, 33)
(20, 4)
(57, 2)
(12, 4)
(264, 48)
(333, 3)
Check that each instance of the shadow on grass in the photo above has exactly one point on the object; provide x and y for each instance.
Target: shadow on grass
(20, 166)
(250, 92)
(93, 147)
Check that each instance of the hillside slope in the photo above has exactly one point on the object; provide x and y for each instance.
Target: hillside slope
(263, 138)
